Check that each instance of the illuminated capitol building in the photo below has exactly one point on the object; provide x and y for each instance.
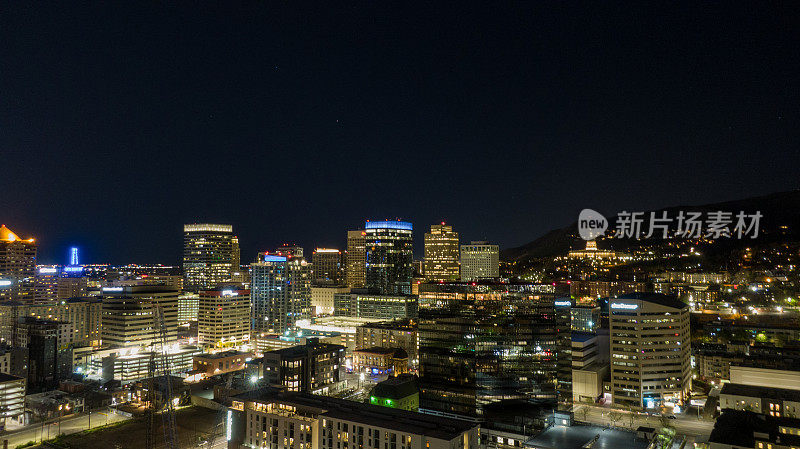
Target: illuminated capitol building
(593, 253)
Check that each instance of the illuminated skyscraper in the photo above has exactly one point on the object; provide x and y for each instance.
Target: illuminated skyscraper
(17, 266)
(390, 263)
(327, 264)
(280, 293)
(356, 259)
(208, 255)
(480, 260)
(441, 254)
(73, 256)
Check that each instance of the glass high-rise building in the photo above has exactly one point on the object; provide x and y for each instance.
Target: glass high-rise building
(280, 293)
(484, 343)
(210, 255)
(389, 261)
(441, 254)
(356, 259)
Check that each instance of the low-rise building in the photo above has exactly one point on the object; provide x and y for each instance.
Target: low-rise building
(12, 396)
(745, 429)
(381, 361)
(54, 404)
(397, 392)
(390, 334)
(313, 367)
(283, 420)
(127, 365)
(770, 401)
(219, 362)
(365, 303)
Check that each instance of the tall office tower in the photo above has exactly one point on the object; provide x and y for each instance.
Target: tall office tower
(563, 317)
(480, 260)
(441, 254)
(280, 293)
(390, 262)
(208, 255)
(486, 343)
(356, 259)
(128, 314)
(73, 256)
(236, 255)
(17, 266)
(650, 350)
(224, 317)
(327, 265)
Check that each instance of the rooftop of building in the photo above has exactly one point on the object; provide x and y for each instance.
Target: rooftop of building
(301, 350)
(8, 377)
(404, 324)
(737, 428)
(396, 387)
(373, 415)
(221, 355)
(138, 289)
(760, 392)
(7, 235)
(577, 437)
(655, 298)
(398, 353)
(582, 337)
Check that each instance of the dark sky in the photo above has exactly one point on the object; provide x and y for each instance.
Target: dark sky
(119, 123)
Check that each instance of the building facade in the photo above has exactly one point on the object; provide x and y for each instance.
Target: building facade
(130, 315)
(482, 343)
(280, 293)
(284, 420)
(390, 334)
(322, 298)
(363, 304)
(389, 263)
(224, 317)
(356, 259)
(441, 254)
(17, 266)
(650, 350)
(327, 264)
(312, 367)
(480, 260)
(208, 255)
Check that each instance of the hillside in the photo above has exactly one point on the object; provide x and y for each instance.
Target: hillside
(778, 209)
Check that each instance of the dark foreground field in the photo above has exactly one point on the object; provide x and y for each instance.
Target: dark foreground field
(194, 425)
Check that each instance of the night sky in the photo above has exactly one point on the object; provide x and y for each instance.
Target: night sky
(119, 123)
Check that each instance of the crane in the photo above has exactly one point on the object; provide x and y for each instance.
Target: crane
(168, 414)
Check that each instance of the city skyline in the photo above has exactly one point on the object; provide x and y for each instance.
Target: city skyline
(504, 124)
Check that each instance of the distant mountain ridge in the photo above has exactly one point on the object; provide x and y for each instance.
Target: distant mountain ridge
(778, 209)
